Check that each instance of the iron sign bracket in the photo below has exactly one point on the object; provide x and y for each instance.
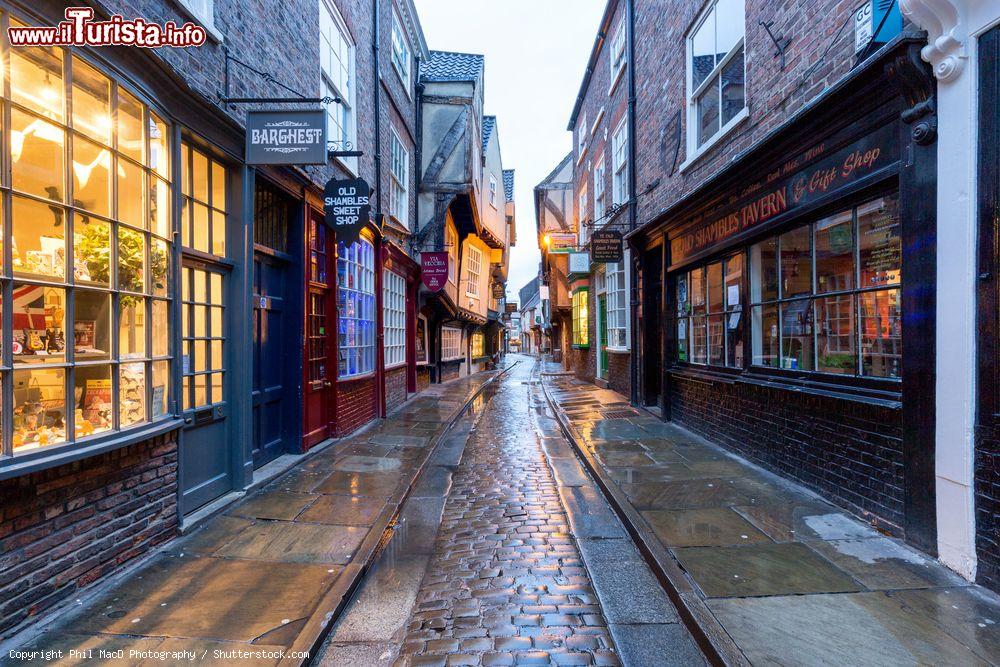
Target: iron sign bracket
(296, 97)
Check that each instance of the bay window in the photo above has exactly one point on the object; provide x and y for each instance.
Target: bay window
(581, 318)
(85, 280)
(394, 317)
(825, 297)
(356, 308)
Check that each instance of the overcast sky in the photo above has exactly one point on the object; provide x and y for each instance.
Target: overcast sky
(536, 52)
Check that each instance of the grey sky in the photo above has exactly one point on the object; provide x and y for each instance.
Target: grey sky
(536, 52)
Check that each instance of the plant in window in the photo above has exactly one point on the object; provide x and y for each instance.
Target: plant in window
(94, 249)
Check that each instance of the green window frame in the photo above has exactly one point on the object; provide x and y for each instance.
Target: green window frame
(581, 318)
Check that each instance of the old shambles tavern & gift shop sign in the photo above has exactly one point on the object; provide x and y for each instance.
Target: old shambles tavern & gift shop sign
(346, 208)
(785, 188)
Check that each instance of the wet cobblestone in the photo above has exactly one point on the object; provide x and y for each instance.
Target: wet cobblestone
(506, 584)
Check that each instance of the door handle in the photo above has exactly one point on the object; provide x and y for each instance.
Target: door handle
(327, 384)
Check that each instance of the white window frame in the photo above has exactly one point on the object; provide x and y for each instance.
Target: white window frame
(329, 86)
(451, 246)
(618, 309)
(581, 136)
(493, 191)
(394, 318)
(600, 205)
(694, 150)
(619, 156)
(583, 230)
(203, 11)
(400, 48)
(451, 344)
(473, 270)
(361, 271)
(618, 57)
(399, 176)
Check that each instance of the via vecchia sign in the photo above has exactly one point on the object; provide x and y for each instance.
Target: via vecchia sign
(346, 208)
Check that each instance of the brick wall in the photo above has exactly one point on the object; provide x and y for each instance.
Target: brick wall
(356, 401)
(988, 507)
(849, 452)
(66, 527)
(620, 373)
(423, 377)
(772, 94)
(395, 388)
(450, 370)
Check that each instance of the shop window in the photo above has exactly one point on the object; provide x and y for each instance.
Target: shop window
(618, 307)
(451, 343)
(709, 311)
(204, 187)
(715, 65)
(87, 344)
(204, 334)
(394, 317)
(356, 308)
(619, 153)
(336, 57)
(478, 345)
(581, 321)
(473, 269)
(845, 316)
(399, 174)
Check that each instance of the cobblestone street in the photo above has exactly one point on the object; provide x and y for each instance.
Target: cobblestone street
(506, 582)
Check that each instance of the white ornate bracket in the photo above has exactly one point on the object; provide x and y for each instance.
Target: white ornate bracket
(942, 19)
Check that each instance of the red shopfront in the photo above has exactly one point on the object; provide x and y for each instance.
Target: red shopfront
(340, 371)
(398, 317)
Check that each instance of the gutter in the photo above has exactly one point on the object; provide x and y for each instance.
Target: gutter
(376, 36)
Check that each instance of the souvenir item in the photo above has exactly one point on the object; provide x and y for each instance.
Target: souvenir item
(34, 341)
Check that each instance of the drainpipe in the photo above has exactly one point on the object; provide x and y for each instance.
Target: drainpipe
(418, 153)
(376, 38)
(632, 209)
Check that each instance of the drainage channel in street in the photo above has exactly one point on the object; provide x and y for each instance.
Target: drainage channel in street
(505, 552)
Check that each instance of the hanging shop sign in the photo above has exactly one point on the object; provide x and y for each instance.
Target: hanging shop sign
(606, 247)
(346, 208)
(511, 307)
(785, 188)
(579, 262)
(286, 137)
(434, 270)
(499, 291)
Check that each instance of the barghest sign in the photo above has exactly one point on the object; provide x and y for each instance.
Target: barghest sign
(286, 137)
(346, 208)
(787, 187)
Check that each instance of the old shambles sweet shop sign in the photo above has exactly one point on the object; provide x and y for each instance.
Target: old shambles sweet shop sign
(787, 187)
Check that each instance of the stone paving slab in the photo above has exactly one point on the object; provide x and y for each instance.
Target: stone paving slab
(773, 573)
(272, 570)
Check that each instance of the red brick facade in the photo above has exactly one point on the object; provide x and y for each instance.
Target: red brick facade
(356, 404)
(66, 527)
(395, 388)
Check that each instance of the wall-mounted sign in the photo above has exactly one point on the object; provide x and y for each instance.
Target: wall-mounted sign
(579, 262)
(286, 137)
(434, 270)
(421, 340)
(498, 291)
(872, 25)
(606, 247)
(346, 207)
(788, 186)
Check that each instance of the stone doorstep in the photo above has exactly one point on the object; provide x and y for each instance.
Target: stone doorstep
(711, 637)
(311, 637)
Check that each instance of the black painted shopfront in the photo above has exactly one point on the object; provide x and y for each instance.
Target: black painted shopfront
(798, 305)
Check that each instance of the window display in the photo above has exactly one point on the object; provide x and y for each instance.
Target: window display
(709, 311)
(356, 308)
(86, 261)
(581, 321)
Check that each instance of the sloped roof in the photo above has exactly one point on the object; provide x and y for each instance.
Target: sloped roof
(452, 66)
(527, 292)
(489, 124)
(551, 178)
(508, 184)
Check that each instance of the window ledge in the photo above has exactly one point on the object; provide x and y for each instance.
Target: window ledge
(617, 350)
(887, 399)
(581, 347)
(352, 378)
(719, 136)
(26, 464)
(392, 367)
(205, 22)
(451, 360)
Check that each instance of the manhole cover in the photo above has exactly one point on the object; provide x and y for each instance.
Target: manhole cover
(617, 414)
